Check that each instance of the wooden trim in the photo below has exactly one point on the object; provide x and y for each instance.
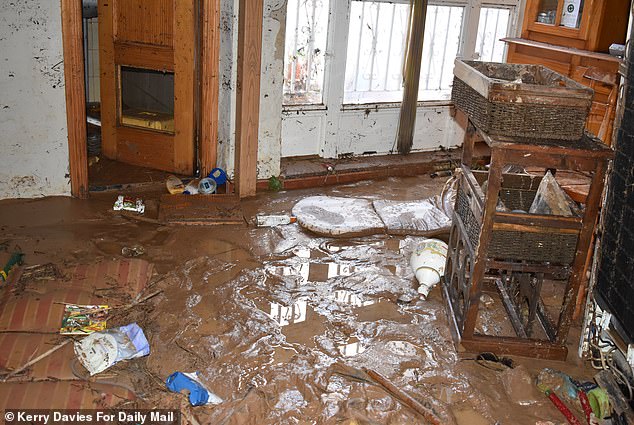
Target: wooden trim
(561, 49)
(184, 86)
(531, 228)
(107, 80)
(145, 56)
(209, 83)
(248, 95)
(536, 220)
(72, 35)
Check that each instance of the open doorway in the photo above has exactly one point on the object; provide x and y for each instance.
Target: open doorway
(140, 90)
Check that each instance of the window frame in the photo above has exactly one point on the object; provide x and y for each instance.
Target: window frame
(337, 45)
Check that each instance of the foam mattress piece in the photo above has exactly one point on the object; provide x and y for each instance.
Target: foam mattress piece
(337, 216)
(421, 218)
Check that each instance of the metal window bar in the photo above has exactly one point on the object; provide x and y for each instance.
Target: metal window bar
(311, 47)
(431, 47)
(389, 49)
(294, 61)
(444, 50)
(375, 37)
(356, 68)
(500, 17)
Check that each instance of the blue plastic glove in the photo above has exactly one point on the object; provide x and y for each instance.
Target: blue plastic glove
(198, 395)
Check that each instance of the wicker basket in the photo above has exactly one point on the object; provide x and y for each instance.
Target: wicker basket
(521, 100)
(540, 247)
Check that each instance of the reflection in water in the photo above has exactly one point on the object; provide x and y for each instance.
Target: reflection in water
(352, 348)
(350, 298)
(284, 315)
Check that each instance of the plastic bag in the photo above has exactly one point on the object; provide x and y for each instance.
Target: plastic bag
(101, 350)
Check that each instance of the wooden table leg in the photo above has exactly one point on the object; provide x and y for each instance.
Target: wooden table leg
(583, 244)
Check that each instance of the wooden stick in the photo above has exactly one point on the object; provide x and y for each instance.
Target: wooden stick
(35, 360)
(403, 397)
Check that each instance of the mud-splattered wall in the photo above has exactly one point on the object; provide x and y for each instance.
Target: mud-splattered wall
(270, 131)
(33, 137)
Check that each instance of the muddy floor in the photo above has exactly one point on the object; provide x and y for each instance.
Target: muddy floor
(270, 317)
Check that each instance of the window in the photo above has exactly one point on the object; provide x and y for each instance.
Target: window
(306, 31)
(443, 29)
(376, 45)
(372, 39)
(493, 25)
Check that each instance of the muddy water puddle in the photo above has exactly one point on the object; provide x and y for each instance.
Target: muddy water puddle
(266, 314)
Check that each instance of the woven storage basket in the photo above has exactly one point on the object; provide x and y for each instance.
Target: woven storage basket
(521, 100)
(539, 247)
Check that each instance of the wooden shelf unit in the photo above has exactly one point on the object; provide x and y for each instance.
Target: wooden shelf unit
(469, 260)
(579, 53)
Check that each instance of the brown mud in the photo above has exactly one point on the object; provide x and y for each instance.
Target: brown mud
(264, 314)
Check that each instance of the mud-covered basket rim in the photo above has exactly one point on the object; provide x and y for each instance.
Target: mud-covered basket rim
(517, 100)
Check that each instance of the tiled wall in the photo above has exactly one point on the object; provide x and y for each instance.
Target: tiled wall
(92, 60)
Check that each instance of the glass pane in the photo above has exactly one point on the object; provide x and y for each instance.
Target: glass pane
(305, 46)
(493, 26)
(440, 48)
(571, 13)
(147, 99)
(376, 42)
(547, 12)
(376, 46)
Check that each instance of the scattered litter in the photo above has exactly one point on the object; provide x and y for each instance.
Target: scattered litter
(218, 175)
(199, 395)
(207, 186)
(428, 262)
(48, 271)
(441, 173)
(101, 350)
(192, 187)
(487, 300)
(599, 402)
(15, 260)
(174, 185)
(83, 319)
(129, 204)
(274, 220)
(572, 420)
(493, 362)
(132, 251)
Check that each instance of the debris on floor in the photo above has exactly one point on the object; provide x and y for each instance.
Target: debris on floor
(267, 316)
(16, 259)
(83, 319)
(132, 251)
(102, 350)
(189, 381)
(262, 220)
(428, 263)
(126, 203)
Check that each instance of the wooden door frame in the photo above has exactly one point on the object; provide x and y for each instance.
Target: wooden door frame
(73, 45)
(73, 51)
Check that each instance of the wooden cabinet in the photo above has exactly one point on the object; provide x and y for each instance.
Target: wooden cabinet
(572, 37)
